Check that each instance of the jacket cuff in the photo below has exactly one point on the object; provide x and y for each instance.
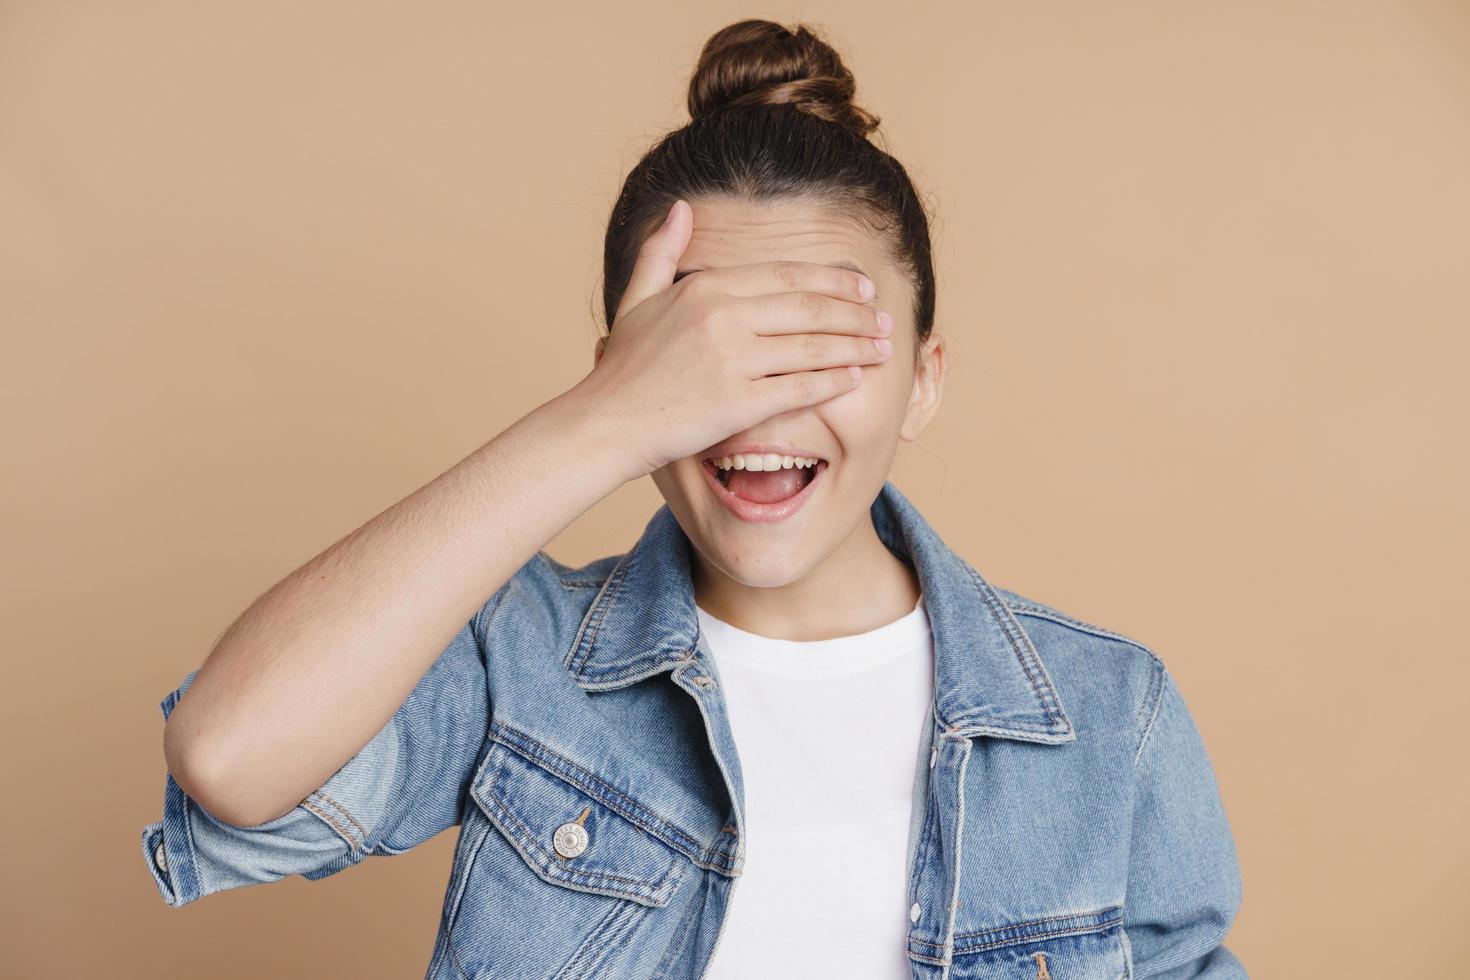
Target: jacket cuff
(168, 848)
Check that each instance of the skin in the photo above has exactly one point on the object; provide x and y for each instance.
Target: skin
(794, 579)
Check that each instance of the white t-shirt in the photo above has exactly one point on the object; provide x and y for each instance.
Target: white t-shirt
(828, 736)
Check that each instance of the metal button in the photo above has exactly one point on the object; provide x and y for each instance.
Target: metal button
(914, 911)
(570, 839)
(933, 756)
(159, 857)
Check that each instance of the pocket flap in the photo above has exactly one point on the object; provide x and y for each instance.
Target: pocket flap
(1079, 945)
(601, 851)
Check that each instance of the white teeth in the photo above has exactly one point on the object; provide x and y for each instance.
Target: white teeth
(763, 461)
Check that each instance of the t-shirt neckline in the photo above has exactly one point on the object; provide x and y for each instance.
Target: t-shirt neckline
(840, 654)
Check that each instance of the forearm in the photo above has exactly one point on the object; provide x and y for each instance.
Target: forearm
(316, 666)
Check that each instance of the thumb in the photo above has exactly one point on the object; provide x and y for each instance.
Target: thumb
(658, 259)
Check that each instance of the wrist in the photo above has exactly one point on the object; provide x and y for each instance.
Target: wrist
(598, 440)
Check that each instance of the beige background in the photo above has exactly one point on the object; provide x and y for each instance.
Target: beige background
(267, 267)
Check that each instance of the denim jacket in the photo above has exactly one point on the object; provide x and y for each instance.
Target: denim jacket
(1066, 820)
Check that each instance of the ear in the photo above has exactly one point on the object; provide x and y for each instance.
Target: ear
(928, 387)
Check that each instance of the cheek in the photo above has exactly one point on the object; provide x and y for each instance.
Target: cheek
(870, 415)
(883, 390)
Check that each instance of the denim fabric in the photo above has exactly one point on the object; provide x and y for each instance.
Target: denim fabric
(1066, 817)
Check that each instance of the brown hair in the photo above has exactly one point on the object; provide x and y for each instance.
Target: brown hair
(772, 117)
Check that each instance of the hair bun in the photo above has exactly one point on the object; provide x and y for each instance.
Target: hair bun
(760, 62)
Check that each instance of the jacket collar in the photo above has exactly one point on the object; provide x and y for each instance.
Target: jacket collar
(988, 676)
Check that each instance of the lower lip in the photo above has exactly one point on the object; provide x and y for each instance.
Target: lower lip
(749, 510)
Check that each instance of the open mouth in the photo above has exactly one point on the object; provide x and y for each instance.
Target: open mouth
(763, 488)
(786, 478)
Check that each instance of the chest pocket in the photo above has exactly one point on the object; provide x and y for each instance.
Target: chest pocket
(555, 876)
(1085, 946)
(569, 829)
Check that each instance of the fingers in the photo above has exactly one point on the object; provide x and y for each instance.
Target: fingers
(658, 258)
(815, 352)
(805, 312)
(786, 276)
(786, 392)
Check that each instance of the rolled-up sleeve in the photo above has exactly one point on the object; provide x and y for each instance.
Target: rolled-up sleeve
(1184, 882)
(402, 788)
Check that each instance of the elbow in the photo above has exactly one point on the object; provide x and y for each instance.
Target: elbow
(184, 757)
(213, 792)
(184, 750)
(206, 779)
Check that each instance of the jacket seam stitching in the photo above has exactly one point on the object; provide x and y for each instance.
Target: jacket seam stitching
(1053, 934)
(189, 837)
(640, 886)
(956, 868)
(677, 943)
(636, 671)
(454, 957)
(1041, 612)
(1113, 911)
(926, 834)
(609, 796)
(1047, 696)
(326, 818)
(1160, 680)
(346, 813)
(601, 941)
(601, 607)
(1151, 702)
(1080, 930)
(575, 576)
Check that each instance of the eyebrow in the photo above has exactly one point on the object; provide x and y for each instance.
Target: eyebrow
(847, 264)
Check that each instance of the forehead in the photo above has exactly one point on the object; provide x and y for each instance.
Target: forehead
(728, 231)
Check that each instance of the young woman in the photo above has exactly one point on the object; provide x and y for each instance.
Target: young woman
(789, 733)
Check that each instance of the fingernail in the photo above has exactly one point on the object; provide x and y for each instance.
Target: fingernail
(885, 322)
(670, 215)
(866, 289)
(884, 345)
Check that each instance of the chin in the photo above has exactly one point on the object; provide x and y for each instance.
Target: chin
(757, 567)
